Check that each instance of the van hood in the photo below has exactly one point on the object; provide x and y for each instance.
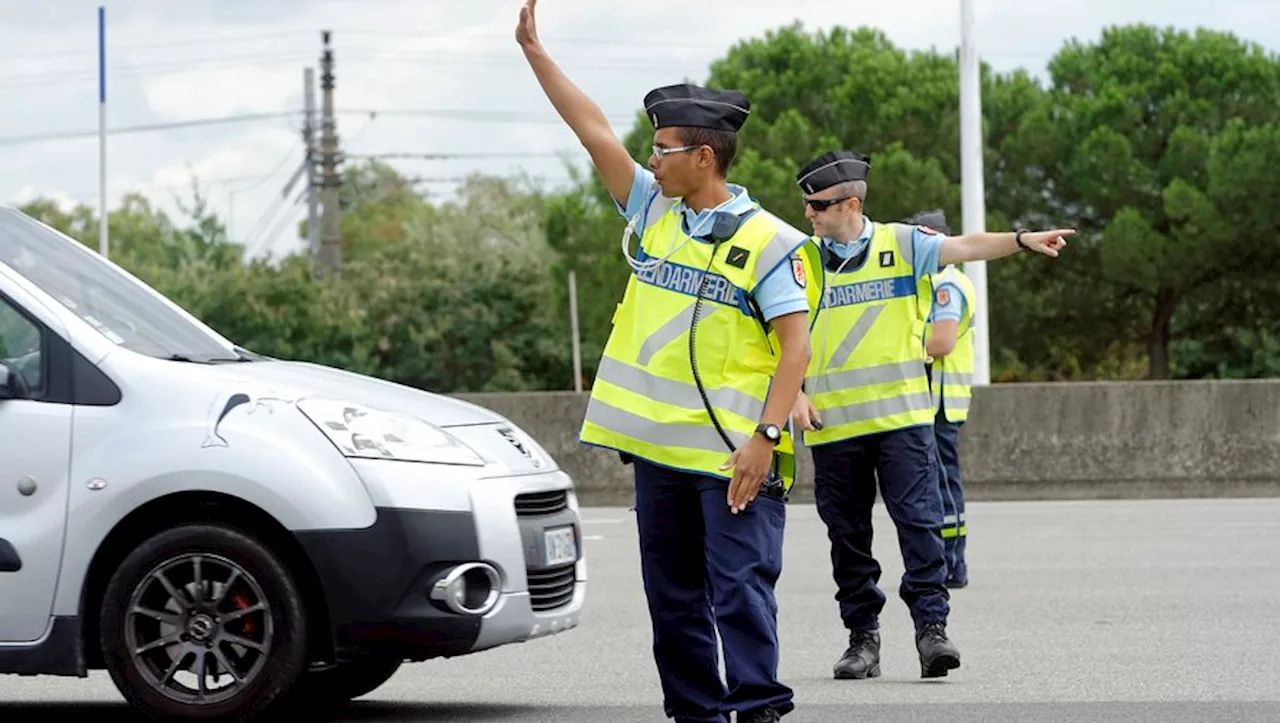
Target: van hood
(307, 379)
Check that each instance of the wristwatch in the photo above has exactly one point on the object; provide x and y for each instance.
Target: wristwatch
(770, 432)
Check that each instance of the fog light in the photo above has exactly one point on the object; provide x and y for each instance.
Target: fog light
(470, 589)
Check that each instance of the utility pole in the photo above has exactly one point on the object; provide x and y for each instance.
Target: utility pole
(103, 214)
(309, 163)
(330, 237)
(573, 323)
(972, 187)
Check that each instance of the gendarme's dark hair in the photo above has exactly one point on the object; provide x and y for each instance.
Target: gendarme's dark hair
(724, 143)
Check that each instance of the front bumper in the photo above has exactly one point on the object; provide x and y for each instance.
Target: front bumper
(378, 581)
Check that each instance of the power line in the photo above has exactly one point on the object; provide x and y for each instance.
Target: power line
(416, 180)
(497, 116)
(48, 78)
(81, 52)
(67, 135)
(397, 32)
(460, 156)
(215, 181)
(481, 116)
(57, 77)
(424, 34)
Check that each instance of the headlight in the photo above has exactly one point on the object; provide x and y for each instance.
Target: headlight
(369, 433)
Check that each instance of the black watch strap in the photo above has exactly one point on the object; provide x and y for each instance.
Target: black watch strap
(770, 432)
(1017, 237)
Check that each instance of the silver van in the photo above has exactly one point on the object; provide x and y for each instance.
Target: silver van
(228, 534)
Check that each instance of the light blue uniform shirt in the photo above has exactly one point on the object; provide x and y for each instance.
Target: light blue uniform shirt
(954, 307)
(926, 249)
(776, 294)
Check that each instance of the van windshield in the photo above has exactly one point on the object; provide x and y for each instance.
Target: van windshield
(123, 311)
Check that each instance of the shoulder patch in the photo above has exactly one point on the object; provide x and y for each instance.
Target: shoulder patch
(944, 296)
(737, 257)
(797, 271)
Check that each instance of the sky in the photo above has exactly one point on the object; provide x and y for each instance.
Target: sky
(213, 89)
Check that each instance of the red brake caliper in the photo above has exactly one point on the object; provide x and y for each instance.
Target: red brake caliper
(246, 625)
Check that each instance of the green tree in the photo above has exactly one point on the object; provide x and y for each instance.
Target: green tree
(1161, 145)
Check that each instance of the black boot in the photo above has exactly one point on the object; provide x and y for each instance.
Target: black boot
(937, 653)
(761, 715)
(862, 659)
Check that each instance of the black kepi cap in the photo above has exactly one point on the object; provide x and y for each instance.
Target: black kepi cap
(831, 168)
(697, 107)
(932, 220)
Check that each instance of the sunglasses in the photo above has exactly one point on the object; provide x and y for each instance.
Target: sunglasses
(662, 152)
(822, 204)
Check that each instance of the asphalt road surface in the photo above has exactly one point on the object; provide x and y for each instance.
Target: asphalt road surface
(1077, 611)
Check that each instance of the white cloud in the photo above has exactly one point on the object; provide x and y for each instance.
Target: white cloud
(27, 194)
(223, 91)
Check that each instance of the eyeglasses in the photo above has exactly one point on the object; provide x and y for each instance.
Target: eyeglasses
(662, 152)
(822, 204)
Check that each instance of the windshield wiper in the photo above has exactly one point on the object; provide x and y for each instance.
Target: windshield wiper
(211, 359)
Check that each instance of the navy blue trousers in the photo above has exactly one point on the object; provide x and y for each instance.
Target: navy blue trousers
(954, 530)
(707, 570)
(905, 462)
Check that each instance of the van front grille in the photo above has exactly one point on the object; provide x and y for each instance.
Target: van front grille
(531, 504)
(551, 588)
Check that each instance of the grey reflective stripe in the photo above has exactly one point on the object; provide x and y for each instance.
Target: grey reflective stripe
(905, 248)
(771, 255)
(660, 205)
(874, 409)
(785, 240)
(957, 378)
(675, 393)
(691, 436)
(851, 340)
(957, 404)
(853, 378)
(951, 519)
(672, 330)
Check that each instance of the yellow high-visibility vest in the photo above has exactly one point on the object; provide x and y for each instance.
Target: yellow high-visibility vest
(953, 373)
(867, 369)
(644, 401)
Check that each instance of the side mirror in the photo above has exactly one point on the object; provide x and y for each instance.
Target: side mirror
(12, 385)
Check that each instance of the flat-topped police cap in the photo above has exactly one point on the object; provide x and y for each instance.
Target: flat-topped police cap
(831, 168)
(697, 107)
(934, 220)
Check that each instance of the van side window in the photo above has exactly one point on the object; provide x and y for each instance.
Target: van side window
(20, 347)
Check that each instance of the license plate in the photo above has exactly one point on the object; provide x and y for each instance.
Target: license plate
(561, 546)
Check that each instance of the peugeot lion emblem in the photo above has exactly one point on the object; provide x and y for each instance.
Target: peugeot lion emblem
(510, 436)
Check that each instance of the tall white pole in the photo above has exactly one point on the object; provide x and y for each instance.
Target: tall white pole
(102, 130)
(573, 325)
(309, 141)
(972, 189)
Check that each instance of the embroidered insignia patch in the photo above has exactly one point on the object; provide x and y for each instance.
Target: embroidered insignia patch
(886, 258)
(797, 271)
(737, 257)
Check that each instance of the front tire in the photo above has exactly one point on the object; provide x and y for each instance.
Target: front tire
(345, 681)
(211, 605)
